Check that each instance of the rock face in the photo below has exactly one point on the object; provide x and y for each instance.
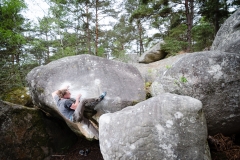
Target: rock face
(152, 55)
(152, 70)
(214, 79)
(228, 36)
(26, 133)
(90, 76)
(167, 126)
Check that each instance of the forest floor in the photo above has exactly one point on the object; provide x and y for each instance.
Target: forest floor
(222, 148)
(73, 152)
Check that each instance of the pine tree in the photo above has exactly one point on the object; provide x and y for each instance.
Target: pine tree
(120, 37)
(138, 13)
(11, 44)
(102, 9)
(83, 18)
(215, 12)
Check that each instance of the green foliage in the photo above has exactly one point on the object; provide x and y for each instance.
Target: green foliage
(183, 79)
(148, 84)
(141, 12)
(168, 67)
(175, 41)
(147, 88)
(215, 12)
(121, 56)
(173, 46)
(203, 35)
(118, 39)
(11, 23)
(149, 71)
(77, 24)
(101, 51)
(138, 12)
(65, 52)
(11, 45)
(18, 96)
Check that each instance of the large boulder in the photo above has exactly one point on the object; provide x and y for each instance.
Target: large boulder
(26, 133)
(212, 77)
(228, 36)
(128, 58)
(152, 70)
(90, 76)
(167, 127)
(152, 55)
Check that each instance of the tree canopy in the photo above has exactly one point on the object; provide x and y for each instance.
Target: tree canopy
(11, 44)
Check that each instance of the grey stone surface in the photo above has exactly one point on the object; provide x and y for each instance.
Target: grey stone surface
(153, 55)
(152, 70)
(26, 133)
(166, 127)
(128, 58)
(213, 78)
(228, 36)
(90, 76)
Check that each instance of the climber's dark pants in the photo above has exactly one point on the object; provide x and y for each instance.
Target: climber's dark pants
(85, 104)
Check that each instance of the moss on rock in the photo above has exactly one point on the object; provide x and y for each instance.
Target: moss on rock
(19, 96)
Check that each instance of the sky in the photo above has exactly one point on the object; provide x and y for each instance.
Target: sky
(36, 9)
(39, 8)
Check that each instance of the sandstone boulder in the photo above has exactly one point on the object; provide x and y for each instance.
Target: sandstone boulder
(128, 58)
(90, 76)
(228, 36)
(167, 127)
(152, 55)
(26, 133)
(213, 78)
(152, 70)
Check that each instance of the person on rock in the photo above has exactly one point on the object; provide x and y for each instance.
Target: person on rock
(73, 109)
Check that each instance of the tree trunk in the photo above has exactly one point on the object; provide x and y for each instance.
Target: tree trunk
(216, 17)
(48, 51)
(96, 29)
(61, 42)
(189, 11)
(77, 26)
(88, 31)
(139, 26)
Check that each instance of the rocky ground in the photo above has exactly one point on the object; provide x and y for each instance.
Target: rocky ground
(73, 152)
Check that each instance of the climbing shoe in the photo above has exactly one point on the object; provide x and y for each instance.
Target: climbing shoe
(102, 96)
(81, 152)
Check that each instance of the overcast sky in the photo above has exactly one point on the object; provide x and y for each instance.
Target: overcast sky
(36, 9)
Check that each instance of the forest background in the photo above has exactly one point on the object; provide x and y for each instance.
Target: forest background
(74, 27)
